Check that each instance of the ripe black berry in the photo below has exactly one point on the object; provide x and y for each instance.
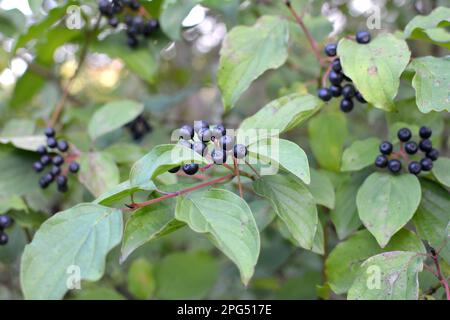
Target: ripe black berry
(363, 37)
(381, 161)
(330, 49)
(190, 168)
(134, 5)
(55, 170)
(186, 132)
(346, 105)
(63, 146)
(348, 91)
(219, 156)
(204, 134)
(336, 91)
(3, 238)
(218, 132)
(386, 147)
(336, 65)
(335, 77)
(411, 147)
(394, 165)
(37, 166)
(51, 142)
(200, 124)
(324, 94)
(45, 160)
(425, 132)
(49, 132)
(433, 154)
(227, 142)
(74, 167)
(175, 170)
(425, 145)
(149, 27)
(43, 183)
(404, 134)
(58, 160)
(5, 221)
(414, 167)
(427, 164)
(48, 177)
(359, 97)
(42, 150)
(113, 22)
(199, 147)
(63, 188)
(239, 151)
(105, 8)
(132, 42)
(61, 180)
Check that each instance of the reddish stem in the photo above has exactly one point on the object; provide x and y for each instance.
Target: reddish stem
(439, 273)
(325, 75)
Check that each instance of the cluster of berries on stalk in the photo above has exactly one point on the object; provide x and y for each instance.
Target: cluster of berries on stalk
(337, 78)
(139, 127)
(56, 161)
(390, 159)
(128, 12)
(5, 222)
(198, 137)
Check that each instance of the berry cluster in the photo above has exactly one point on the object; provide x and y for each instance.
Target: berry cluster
(139, 127)
(198, 137)
(5, 222)
(127, 12)
(337, 78)
(56, 160)
(389, 159)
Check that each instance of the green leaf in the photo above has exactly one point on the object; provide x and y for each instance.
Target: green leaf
(172, 15)
(430, 27)
(322, 189)
(98, 172)
(284, 113)
(344, 262)
(52, 40)
(16, 177)
(293, 203)
(282, 152)
(124, 153)
(147, 224)
(397, 277)
(189, 275)
(141, 279)
(228, 221)
(345, 214)
(430, 83)
(375, 68)
(112, 116)
(432, 217)
(78, 237)
(387, 202)
(247, 52)
(160, 159)
(121, 191)
(327, 133)
(29, 82)
(441, 170)
(30, 143)
(360, 154)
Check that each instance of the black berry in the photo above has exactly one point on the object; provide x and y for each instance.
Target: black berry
(37, 166)
(324, 94)
(386, 147)
(381, 161)
(74, 167)
(185, 143)
(199, 147)
(200, 124)
(63, 188)
(63, 146)
(132, 42)
(186, 132)
(218, 132)
(335, 77)
(190, 168)
(55, 170)
(394, 165)
(45, 160)
(175, 170)
(359, 97)
(219, 156)
(239, 151)
(336, 65)
(336, 91)
(113, 22)
(51, 142)
(330, 49)
(427, 164)
(61, 180)
(363, 37)
(58, 160)
(414, 167)
(227, 142)
(346, 105)
(433, 154)
(5, 221)
(425, 145)
(49, 132)
(348, 91)
(204, 134)
(42, 150)
(425, 132)
(404, 134)
(411, 147)
(3, 238)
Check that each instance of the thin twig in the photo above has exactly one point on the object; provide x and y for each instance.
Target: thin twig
(253, 169)
(236, 170)
(441, 278)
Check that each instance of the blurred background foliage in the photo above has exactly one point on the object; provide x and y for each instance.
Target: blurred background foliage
(176, 82)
